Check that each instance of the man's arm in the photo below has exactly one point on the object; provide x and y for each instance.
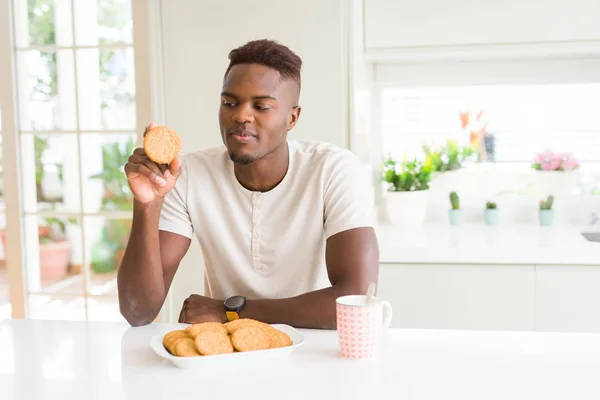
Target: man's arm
(352, 259)
(149, 265)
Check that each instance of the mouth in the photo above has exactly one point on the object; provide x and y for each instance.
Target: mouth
(242, 135)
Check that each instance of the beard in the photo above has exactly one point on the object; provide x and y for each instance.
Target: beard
(243, 159)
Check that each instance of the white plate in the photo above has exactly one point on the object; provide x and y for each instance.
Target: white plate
(156, 342)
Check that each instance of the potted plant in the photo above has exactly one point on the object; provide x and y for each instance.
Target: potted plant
(407, 191)
(546, 212)
(446, 165)
(557, 173)
(491, 213)
(55, 250)
(108, 251)
(455, 213)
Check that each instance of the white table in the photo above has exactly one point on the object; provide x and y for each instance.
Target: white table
(101, 360)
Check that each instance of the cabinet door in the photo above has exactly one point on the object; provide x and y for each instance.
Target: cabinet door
(495, 297)
(568, 298)
(440, 23)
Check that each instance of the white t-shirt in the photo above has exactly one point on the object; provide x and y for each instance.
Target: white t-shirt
(272, 244)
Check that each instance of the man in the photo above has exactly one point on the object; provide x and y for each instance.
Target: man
(284, 226)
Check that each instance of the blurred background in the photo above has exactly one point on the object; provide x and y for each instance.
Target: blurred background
(477, 123)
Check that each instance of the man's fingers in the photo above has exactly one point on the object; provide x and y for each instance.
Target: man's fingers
(131, 169)
(149, 126)
(174, 168)
(139, 151)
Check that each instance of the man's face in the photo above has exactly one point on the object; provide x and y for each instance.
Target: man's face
(257, 110)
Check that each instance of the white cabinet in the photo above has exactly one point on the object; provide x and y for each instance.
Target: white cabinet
(568, 298)
(443, 296)
(441, 23)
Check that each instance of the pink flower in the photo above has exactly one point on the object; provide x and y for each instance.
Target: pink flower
(549, 161)
(569, 163)
(551, 165)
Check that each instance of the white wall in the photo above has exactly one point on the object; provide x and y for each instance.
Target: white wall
(196, 39)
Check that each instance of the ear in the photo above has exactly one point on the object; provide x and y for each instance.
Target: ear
(294, 117)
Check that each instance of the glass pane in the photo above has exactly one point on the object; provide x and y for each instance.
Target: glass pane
(105, 184)
(56, 307)
(42, 22)
(106, 240)
(106, 86)
(104, 309)
(46, 90)
(103, 21)
(58, 269)
(50, 171)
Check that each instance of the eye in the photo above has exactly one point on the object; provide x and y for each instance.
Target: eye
(228, 104)
(262, 108)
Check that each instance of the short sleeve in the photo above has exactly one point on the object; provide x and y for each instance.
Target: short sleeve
(174, 216)
(347, 198)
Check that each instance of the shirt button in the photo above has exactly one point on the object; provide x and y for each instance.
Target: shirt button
(256, 235)
(257, 214)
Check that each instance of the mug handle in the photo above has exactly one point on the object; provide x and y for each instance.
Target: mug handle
(387, 314)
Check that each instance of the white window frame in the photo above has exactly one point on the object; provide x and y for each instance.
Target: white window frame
(13, 188)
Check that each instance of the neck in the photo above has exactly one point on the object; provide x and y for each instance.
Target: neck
(264, 174)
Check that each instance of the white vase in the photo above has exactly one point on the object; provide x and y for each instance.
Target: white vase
(442, 183)
(557, 183)
(406, 208)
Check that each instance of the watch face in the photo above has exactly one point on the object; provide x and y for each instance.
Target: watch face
(235, 302)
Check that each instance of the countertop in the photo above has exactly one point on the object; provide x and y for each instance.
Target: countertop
(102, 360)
(481, 244)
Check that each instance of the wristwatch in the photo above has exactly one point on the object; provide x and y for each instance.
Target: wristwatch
(233, 306)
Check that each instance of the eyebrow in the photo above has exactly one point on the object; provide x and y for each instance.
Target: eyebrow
(262, 97)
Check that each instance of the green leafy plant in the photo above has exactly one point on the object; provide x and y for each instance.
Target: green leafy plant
(117, 195)
(490, 205)
(547, 204)
(454, 201)
(406, 176)
(449, 158)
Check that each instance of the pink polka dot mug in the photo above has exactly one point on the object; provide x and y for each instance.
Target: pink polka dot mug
(360, 325)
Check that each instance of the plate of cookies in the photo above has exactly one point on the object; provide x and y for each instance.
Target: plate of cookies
(210, 343)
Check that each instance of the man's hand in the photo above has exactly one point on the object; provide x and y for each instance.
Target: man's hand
(149, 181)
(198, 309)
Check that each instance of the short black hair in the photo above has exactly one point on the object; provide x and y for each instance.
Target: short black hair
(270, 54)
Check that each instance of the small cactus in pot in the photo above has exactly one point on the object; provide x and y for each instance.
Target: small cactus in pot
(546, 212)
(455, 213)
(491, 215)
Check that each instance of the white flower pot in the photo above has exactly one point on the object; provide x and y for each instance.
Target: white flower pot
(557, 183)
(406, 208)
(442, 183)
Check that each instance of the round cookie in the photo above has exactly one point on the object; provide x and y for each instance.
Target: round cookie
(211, 342)
(278, 338)
(172, 336)
(250, 337)
(185, 347)
(232, 326)
(161, 144)
(195, 329)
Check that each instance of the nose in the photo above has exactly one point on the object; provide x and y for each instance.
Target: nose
(243, 114)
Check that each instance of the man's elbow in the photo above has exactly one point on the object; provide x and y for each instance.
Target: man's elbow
(136, 317)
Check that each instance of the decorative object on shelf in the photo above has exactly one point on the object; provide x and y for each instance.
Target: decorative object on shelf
(557, 173)
(546, 211)
(447, 166)
(408, 190)
(451, 157)
(491, 213)
(455, 213)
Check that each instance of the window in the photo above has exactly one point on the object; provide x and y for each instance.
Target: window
(77, 116)
(521, 120)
